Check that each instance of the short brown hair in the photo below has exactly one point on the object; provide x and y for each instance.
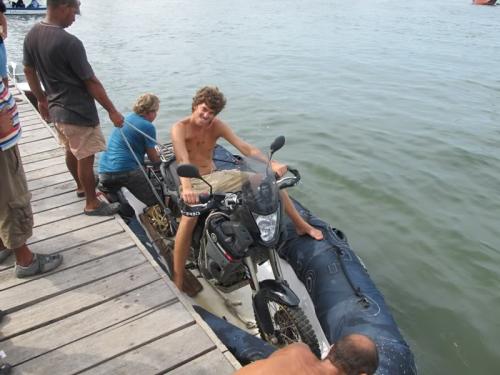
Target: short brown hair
(211, 96)
(146, 103)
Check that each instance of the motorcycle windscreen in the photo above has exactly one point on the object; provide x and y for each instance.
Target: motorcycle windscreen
(260, 192)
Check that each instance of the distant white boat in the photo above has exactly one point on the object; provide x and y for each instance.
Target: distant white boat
(31, 9)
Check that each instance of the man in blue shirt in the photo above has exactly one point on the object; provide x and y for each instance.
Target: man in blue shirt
(117, 165)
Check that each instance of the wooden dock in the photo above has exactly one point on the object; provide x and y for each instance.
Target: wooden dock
(108, 309)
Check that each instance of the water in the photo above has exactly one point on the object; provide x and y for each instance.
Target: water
(391, 112)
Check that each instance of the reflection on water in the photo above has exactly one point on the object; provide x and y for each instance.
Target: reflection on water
(390, 110)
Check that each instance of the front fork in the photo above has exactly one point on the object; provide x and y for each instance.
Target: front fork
(269, 291)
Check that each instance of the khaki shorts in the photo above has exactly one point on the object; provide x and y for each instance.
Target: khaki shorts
(16, 217)
(81, 141)
(228, 181)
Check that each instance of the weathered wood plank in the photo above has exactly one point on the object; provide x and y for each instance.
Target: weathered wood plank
(58, 213)
(43, 155)
(111, 313)
(54, 202)
(53, 191)
(57, 282)
(76, 256)
(95, 349)
(212, 363)
(32, 122)
(48, 171)
(38, 147)
(29, 116)
(160, 355)
(76, 238)
(77, 300)
(35, 135)
(50, 180)
(72, 224)
(31, 167)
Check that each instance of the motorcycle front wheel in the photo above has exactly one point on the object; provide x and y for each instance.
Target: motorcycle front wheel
(290, 324)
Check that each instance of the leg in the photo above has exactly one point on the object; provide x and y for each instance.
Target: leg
(87, 178)
(301, 226)
(181, 248)
(72, 164)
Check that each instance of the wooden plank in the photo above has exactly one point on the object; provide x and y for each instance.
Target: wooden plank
(116, 311)
(76, 256)
(47, 172)
(54, 202)
(31, 125)
(76, 301)
(53, 191)
(109, 343)
(44, 232)
(160, 355)
(212, 363)
(57, 282)
(35, 135)
(43, 155)
(50, 180)
(30, 167)
(29, 116)
(38, 147)
(58, 213)
(70, 240)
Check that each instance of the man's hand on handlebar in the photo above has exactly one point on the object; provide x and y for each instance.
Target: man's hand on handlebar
(189, 196)
(278, 168)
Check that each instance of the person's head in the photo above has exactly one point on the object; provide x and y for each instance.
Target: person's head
(354, 355)
(207, 103)
(62, 12)
(147, 106)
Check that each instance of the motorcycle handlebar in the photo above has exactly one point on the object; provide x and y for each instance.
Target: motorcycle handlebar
(287, 182)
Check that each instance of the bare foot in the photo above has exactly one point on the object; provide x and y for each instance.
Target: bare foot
(315, 233)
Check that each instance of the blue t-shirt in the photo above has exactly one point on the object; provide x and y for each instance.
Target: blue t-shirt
(117, 157)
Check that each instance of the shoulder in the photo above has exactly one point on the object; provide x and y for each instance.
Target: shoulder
(181, 124)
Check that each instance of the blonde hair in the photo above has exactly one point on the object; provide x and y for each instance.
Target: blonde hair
(146, 103)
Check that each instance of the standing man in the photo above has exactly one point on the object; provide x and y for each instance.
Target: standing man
(60, 61)
(16, 218)
(194, 139)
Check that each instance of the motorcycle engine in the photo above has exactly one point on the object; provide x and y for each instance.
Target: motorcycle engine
(217, 259)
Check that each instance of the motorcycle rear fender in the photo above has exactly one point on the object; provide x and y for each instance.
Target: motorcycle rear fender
(276, 291)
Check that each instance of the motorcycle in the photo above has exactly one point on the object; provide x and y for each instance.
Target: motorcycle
(235, 233)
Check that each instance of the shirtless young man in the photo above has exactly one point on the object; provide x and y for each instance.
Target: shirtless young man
(194, 139)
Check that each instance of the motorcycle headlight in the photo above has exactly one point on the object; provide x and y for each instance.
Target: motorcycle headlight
(267, 225)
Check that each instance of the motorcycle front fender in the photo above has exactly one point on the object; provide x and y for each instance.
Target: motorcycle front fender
(276, 291)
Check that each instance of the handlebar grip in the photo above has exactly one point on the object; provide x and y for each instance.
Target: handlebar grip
(204, 198)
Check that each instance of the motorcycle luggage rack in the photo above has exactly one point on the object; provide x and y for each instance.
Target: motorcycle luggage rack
(166, 152)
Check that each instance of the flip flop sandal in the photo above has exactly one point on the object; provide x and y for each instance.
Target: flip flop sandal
(104, 209)
(41, 264)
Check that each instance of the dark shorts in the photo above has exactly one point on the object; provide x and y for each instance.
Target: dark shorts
(134, 181)
(16, 217)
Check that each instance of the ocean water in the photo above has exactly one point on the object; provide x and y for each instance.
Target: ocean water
(391, 111)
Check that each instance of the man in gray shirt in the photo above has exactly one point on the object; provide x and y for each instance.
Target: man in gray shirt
(59, 60)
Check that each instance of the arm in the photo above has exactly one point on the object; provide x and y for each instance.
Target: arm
(96, 89)
(3, 22)
(249, 150)
(36, 89)
(178, 137)
(152, 155)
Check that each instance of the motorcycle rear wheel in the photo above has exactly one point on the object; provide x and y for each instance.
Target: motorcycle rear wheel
(290, 325)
